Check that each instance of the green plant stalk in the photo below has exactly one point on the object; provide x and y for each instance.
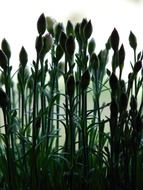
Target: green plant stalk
(11, 181)
(72, 140)
(34, 177)
(84, 137)
(66, 108)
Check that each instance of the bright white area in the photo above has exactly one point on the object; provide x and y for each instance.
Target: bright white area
(18, 20)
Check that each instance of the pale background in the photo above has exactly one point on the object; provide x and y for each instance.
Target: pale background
(18, 20)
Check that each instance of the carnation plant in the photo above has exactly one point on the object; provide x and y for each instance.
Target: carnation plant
(60, 131)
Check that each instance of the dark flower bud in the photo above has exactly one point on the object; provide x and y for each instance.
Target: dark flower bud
(132, 40)
(41, 24)
(82, 26)
(113, 81)
(6, 48)
(114, 40)
(59, 52)
(70, 45)
(48, 42)
(57, 32)
(70, 85)
(3, 60)
(85, 80)
(50, 22)
(121, 57)
(39, 44)
(88, 30)
(3, 99)
(69, 28)
(94, 62)
(23, 57)
(62, 40)
(137, 67)
(91, 46)
(77, 32)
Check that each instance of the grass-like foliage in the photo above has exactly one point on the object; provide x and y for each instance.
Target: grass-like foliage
(60, 131)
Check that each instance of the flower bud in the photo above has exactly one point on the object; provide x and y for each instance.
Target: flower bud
(121, 57)
(70, 46)
(82, 26)
(57, 32)
(69, 28)
(6, 48)
(88, 30)
(132, 40)
(59, 52)
(91, 46)
(41, 24)
(114, 40)
(137, 67)
(48, 42)
(94, 62)
(39, 44)
(113, 81)
(50, 22)
(62, 40)
(70, 85)
(23, 57)
(85, 80)
(77, 32)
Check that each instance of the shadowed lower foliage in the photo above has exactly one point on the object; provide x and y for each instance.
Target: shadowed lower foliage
(70, 123)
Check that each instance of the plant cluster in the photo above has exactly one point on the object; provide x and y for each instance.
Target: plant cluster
(58, 136)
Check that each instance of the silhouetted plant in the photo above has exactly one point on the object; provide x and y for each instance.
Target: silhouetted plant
(58, 132)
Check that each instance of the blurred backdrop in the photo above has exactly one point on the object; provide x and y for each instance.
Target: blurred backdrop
(18, 20)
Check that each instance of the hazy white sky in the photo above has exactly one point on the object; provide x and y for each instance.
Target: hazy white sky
(18, 19)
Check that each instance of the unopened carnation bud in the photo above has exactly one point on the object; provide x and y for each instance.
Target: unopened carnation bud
(121, 57)
(59, 52)
(114, 40)
(70, 45)
(23, 57)
(113, 81)
(132, 40)
(39, 44)
(41, 24)
(69, 28)
(48, 42)
(50, 24)
(82, 26)
(85, 80)
(77, 32)
(94, 62)
(138, 66)
(91, 46)
(6, 48)
(70, 85)
(62, 40)
(57, 31)
(88, 30)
